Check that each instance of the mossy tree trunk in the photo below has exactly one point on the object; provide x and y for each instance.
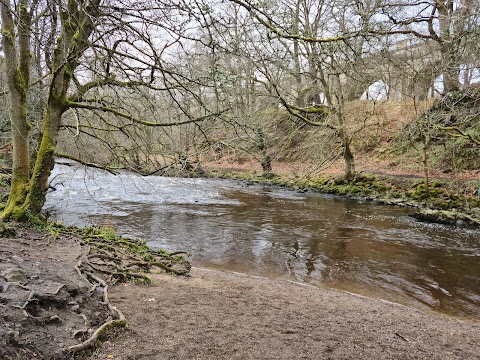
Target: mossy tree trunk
(266, 161)
(45, 161)
(17, 69)
(426, 172)
(343, 133)
(77, 24)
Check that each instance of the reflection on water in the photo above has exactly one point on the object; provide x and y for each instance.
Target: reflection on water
(326, 241)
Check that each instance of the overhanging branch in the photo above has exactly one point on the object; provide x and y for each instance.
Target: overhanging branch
(295, 111)
(132, 118)
(269, 24)
(110, 169)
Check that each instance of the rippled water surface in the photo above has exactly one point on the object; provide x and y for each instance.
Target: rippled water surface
(364, 248)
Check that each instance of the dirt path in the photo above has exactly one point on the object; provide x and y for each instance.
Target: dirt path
(216, 315)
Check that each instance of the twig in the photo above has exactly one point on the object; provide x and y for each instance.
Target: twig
(4, 146)
(402, 337)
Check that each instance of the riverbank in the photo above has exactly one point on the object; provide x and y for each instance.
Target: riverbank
(450, 199)
(46, 307)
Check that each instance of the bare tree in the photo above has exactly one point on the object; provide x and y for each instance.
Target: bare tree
(99, 60)
(326, 43)
(453, 25)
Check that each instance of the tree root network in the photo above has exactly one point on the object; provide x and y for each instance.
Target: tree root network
(46, 298)
(119, 259)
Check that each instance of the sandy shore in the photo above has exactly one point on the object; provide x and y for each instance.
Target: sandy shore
(217, 315)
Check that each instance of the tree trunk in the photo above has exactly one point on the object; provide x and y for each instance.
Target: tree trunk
(426, 174)
(446, 19)
(17, 68)
(266, 161)
(45, 159)
(28, 192)
(348, 158)
(451, 80)
(349, 161)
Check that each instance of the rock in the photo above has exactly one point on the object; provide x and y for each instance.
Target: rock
(53, 319)
(84, 287)
(446, 217)
(17, 259)
(15, 275)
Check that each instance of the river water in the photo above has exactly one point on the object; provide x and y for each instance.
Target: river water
(368, 249)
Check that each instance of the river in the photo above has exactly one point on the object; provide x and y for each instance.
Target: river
(369, 249)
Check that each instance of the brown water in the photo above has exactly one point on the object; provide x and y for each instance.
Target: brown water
(369, 249)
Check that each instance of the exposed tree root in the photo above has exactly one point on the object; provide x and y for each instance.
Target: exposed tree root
(122, 258)
(40, 300)
(118, 320)
(119, 259)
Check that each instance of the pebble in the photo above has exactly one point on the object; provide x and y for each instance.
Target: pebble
(84, 286)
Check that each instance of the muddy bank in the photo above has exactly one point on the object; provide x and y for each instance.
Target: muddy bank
(216, 315)
(47, 306)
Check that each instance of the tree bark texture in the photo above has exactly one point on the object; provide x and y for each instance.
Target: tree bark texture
(17, 69)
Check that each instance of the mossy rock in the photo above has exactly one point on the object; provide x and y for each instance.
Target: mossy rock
(436, 184)
(446, 217)
(6, 231)
(435, 192)
(368, 177)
